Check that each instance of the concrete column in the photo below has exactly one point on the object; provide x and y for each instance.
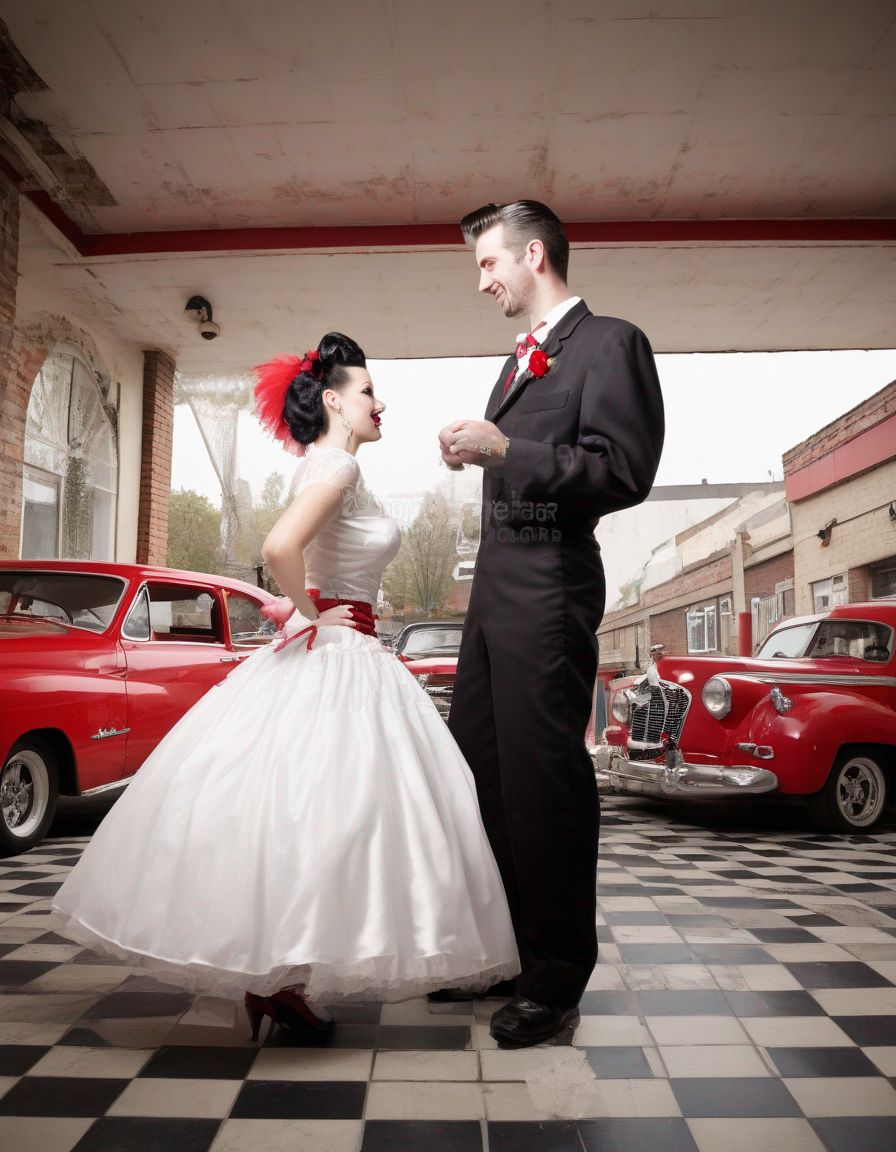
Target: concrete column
(13, 393)
(155, 457)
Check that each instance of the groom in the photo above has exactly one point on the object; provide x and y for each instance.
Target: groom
(573, 431)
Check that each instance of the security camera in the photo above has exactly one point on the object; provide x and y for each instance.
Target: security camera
(201, 311)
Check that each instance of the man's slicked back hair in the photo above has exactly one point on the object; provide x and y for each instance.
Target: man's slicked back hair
(523, 220)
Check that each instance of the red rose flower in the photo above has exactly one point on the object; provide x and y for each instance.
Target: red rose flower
(538, 363)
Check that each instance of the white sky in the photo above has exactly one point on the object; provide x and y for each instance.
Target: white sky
(729, 417)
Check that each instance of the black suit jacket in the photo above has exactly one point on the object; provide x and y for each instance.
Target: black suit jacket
(585, 439)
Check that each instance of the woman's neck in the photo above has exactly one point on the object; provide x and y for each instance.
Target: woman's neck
(336, 438)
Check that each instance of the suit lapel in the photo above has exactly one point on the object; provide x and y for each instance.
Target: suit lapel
(495, 400)
(552, 347)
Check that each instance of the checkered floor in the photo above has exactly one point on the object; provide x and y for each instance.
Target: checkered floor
(745, 999)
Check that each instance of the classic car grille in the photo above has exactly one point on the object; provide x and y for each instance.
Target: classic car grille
(440, 689)
(663, 712)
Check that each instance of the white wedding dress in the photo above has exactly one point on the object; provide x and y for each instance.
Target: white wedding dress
(310, 821)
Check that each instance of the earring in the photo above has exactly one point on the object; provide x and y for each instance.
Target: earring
(349, 431)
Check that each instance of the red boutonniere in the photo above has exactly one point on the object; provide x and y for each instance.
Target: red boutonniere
(539, 364)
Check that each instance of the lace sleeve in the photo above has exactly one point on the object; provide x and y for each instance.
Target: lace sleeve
(330, 466)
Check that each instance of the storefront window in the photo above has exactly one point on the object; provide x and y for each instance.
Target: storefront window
(883, 579)
(71, 466)
(827, 594)
(702, 629)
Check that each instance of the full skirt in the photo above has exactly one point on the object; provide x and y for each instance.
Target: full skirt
(309, 821)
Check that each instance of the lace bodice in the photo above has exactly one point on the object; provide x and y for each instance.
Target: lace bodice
(347, 558)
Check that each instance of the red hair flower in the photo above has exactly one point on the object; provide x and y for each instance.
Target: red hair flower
(538, 363)
(311, 364)
(272, 383)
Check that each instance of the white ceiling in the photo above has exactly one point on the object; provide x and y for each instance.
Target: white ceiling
(259, 113)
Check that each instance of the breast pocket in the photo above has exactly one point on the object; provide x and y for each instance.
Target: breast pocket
(537, 401)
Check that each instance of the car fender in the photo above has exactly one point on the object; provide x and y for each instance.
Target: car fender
(807, 737)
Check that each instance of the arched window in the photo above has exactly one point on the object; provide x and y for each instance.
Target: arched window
(70, 485)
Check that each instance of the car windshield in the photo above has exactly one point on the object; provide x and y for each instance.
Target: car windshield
(433, 642)
(861, 639)
(81, 599)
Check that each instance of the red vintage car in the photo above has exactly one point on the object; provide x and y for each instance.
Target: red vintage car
(97, 662)
(812, 715)
(429, 649)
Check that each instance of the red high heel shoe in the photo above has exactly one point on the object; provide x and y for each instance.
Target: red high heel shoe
(256, 1009)
(295, 1011)
(287, 1008)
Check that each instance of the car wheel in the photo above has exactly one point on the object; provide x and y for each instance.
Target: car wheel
(855, 795)
(28, 791)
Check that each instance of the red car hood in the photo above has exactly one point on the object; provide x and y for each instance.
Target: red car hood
(433, 664)
(691, 671)
(17, 635)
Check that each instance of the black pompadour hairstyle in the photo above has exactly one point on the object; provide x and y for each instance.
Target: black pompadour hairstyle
(523, 220)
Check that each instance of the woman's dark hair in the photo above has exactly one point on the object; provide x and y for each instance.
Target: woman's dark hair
(524, 220)
(303, 408)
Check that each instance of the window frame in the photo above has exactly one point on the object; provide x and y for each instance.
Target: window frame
(703, 613)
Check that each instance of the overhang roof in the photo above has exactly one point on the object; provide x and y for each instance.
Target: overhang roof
(767, 131)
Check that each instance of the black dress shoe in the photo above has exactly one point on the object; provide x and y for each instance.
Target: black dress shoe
(445, 998)
(522, 1023)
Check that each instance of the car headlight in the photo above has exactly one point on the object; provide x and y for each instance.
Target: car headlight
(619, 706)
(717, 697)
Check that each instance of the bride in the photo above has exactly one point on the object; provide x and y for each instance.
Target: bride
(309, 830)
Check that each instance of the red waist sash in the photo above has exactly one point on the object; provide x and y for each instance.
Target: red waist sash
(361, 613)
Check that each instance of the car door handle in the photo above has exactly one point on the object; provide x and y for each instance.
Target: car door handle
(113, 670)
(230, 659)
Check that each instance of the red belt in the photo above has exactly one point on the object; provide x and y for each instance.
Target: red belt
(361, 613)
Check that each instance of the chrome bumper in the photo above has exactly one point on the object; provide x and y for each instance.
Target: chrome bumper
(441, 697)
(615, 773)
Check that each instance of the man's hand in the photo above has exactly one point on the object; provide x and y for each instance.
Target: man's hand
(472, 442)
(446, 439)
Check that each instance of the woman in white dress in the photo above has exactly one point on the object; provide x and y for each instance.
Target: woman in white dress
(309, 830)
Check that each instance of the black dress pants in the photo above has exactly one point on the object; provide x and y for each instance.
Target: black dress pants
(521, 704)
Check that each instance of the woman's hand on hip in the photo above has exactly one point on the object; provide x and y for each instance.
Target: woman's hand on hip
(341, 615)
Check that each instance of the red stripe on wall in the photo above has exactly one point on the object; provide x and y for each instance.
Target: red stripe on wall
(853, 231)
(874, 446)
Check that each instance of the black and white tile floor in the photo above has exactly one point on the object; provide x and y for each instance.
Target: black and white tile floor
(745, 999)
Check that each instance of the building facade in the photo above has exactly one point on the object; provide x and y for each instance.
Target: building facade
(86, 418)
(691, 593)
(841, 484)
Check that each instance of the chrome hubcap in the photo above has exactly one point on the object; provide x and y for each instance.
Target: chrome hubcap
(24, 792)
(860, 791)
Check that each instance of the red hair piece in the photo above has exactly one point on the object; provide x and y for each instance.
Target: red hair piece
(272, 383)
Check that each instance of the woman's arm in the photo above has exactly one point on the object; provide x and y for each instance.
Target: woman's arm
(282, 550)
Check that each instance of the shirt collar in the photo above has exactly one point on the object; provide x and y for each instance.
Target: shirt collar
(555, 315)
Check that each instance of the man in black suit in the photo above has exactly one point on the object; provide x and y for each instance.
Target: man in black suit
(573, 431)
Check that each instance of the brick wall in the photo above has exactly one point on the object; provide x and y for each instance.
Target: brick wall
(670, 629)
(11, 426)
(691, 582)
(9, 260)
(760, 579)
(860, 583)
(155, 458)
